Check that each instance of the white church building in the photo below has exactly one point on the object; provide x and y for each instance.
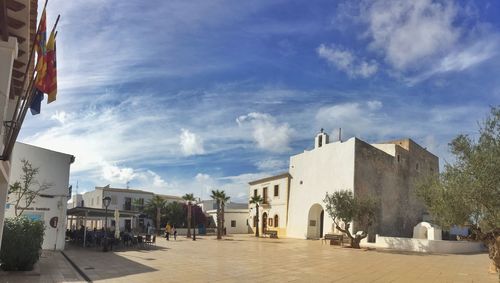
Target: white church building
(293, 202)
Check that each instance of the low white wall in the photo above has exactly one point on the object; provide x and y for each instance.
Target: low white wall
(422, 245)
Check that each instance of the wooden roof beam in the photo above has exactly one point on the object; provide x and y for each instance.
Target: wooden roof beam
(18, 64)
(13, 23)
(4, 34)
(14, 5)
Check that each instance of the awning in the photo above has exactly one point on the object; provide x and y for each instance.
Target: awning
(99, 212)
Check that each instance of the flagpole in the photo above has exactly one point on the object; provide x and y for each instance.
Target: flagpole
(15, 128)
(28, 65)
(57, 21)
(30, 94)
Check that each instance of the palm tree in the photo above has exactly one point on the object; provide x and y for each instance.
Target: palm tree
(155, 205)
(257, 200)
(223, 200)
(189, 198)
(217, 195)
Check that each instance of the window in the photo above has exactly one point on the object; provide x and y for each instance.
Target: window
(254, 193)
(399, 157)
(92, 202)
(113, 223)
(312, 223)
(320, 141)
(416, 166)
(270, 220)
(128, 204)
(233, 223)
(276, 190)
(264, 199)
(276, 223)
(113, 199)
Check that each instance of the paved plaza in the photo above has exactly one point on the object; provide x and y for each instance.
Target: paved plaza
(244, 258)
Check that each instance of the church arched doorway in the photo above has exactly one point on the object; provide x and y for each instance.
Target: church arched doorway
(315, 221)
(264, 222)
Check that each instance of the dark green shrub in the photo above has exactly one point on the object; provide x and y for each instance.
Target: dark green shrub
(21, 243)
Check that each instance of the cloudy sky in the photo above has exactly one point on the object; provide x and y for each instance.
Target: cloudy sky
(185, 96)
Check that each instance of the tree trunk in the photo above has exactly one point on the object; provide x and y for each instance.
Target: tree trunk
(355, 243)
(189, 221)
(158, 216)
(257, 222)
(223, 227)
(494, 254)
(219, 231)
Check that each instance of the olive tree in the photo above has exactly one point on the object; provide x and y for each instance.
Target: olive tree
(24, 191)
(344, 208)
(467, 192)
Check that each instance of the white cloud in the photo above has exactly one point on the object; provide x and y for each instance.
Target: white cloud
(59, 116)
(462, 59)
(408, 32)
(114, 174)
(374, 105)
(271, 165)
(345, 61)
(190, 143)
(266, 131)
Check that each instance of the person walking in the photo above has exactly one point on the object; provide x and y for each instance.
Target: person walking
(168, 230)
(174, 231)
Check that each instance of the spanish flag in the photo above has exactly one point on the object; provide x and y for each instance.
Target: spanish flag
(41, 51)
(51, 72)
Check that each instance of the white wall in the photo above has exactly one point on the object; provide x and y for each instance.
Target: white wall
(422, 245)
(238, 215)
(277, 205)
(8, 52)
(325, 169)
(54, 168)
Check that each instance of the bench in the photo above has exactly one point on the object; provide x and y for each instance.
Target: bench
(333, 238)
(271, 233)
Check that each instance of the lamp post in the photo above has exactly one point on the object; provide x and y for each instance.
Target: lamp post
(194, 221)
(106, 201)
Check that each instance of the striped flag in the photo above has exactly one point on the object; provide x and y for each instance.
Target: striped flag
(41, 51)
(51, 74)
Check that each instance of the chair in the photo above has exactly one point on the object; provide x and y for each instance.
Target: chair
(140, 241)
(148, 240)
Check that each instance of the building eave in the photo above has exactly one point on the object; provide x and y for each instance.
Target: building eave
(271, 178)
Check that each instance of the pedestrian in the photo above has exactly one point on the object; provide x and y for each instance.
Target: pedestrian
(168, 230)
(175, 232)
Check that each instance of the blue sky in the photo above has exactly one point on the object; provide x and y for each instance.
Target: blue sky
(186, 96)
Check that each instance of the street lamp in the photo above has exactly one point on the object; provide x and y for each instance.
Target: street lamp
(106, 201)
(194, 221)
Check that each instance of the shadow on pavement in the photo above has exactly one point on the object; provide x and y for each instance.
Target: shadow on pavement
(99, 265)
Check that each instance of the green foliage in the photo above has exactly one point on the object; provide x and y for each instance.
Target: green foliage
(257, 200)
(344, 208)
(154, 208)
(175, 214)
(468, 191)
(21, 243)
(221, 200)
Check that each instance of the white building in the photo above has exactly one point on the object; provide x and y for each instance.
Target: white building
(387, 171)
(17, 34)
(235, 216)
(129, 200)
(50, 206)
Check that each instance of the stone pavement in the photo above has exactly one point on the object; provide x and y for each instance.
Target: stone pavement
(244, 258)
(52, 267)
